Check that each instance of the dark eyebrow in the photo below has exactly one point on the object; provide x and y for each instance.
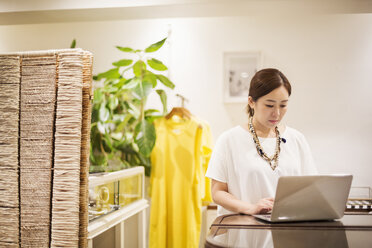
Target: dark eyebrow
(269, 100)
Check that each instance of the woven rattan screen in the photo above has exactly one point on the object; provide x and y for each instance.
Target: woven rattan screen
(44, 148)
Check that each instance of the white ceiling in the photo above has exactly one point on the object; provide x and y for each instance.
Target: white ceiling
(47, 11)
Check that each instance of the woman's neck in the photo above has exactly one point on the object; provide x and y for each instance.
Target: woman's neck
(263, 131)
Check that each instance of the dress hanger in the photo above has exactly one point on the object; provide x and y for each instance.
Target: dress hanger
(180, 111)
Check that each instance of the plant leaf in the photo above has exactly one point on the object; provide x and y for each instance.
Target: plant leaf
(101, 127)
(156, 65)
(165, 81)
(150, 77)
(143, 89)
(152, 118)
(91, 156)
(100, 162)
(124, 123)
(117, 136)
(132, 83)
(118, 117)
(125, 49)
(123, 62)
(139, 67)
(133, 110)
(98, 96)
(150, 111)
(121, 82)
(95, 113)
(111, 89)
(110, 74)
(154, 47)
(104, 113)
(113, 102)
(73, 43)
(108, 142)
(145, 137)
(163, 99)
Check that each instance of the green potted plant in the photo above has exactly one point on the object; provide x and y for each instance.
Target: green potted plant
(122, 130)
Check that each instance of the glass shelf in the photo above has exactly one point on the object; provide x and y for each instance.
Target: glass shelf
(113, 191)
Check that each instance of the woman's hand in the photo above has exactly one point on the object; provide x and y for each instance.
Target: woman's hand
(222, 197)
(263, 206)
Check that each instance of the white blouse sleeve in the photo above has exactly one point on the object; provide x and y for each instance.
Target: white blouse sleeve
(217, 167)
(307, 161)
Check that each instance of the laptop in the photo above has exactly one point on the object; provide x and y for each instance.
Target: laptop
(309, 198)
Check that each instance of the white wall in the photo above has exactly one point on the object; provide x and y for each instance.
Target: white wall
(326, 57)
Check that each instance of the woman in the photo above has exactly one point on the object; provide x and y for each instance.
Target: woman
(248, 160)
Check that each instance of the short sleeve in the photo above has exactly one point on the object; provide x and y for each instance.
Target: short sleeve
(217, 167)
(307, 161)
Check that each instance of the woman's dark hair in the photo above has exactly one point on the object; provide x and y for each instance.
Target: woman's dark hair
(265, 81)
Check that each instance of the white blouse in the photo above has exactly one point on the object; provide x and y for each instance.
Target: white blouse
(249, 177)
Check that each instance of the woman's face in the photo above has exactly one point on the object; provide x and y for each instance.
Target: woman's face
(271, 108)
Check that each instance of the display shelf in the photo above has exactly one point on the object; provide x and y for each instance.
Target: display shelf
(113, 198)
(360, 200)
(100, 225)
(113, 191)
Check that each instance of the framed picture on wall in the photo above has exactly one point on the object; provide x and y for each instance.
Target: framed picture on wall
(239, 68)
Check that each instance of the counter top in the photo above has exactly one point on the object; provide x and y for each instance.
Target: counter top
(236, 230)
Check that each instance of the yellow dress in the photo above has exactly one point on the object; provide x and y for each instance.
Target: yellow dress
(207, 143)
(177, 182)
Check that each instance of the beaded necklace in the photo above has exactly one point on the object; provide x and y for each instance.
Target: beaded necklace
(273, 161)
